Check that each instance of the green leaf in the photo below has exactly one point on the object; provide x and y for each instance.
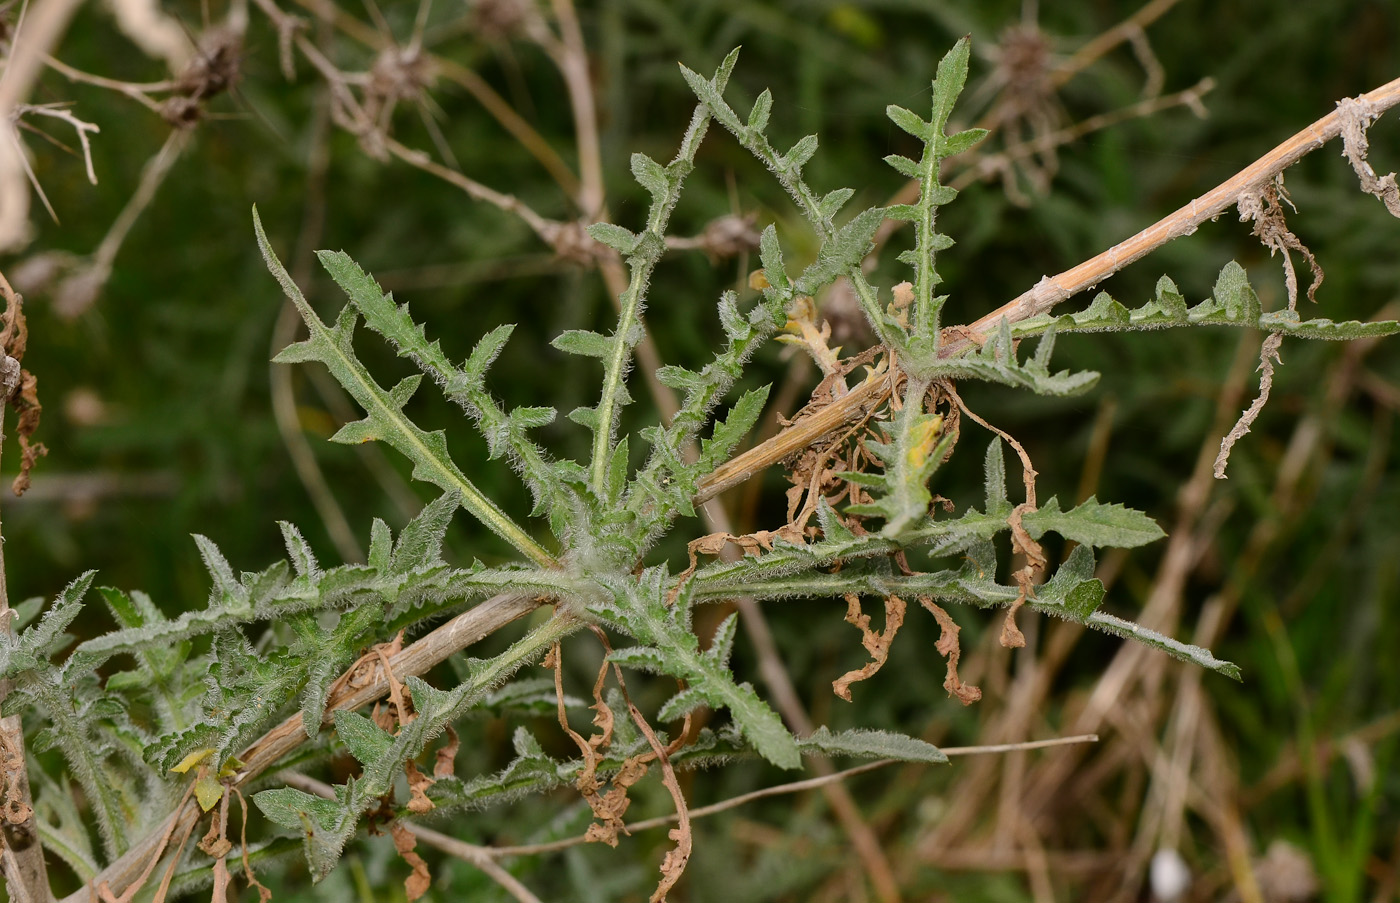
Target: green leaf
(1094, 524)
(770, 253)
(1175, 648)
(832, 202)
(293, 809)
(486, 350)
(682, 704)
(994, 469)
(948, 84)
(909, 122)
(729, 432)
(801, 152)
(844, 251)
(640, 658)
(302, 558)
(909, 169)
(1074, 587)
(722, 646)
(420, 543)
(867, 744)
(624, 241)
(1232, 289)
(1234, 304)
(963, 141)
(1170, 300)
(650, 174)
(585, 343)
(709, 95)
(385, 420)
(758, 116)
(327, 653)
(367, 741)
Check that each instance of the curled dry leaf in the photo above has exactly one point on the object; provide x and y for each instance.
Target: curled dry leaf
(1264, 209)
(444, 759)
(949, 647)
(21, 388)
(416, 884)
(673, 865)
(902, 301)
(264, 893)
(1357, 116)
(418, 784)
(877, 644)
(1021, 541)
(610, 806)
(714, 543)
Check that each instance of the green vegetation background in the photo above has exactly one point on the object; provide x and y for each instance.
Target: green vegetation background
(175, 350)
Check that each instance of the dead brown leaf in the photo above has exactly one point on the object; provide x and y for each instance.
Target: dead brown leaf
(418, 784)
(443, 761)
(877, 644)
(416, 884)
(949, 647)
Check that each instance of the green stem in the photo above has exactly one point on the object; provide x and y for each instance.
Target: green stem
(642, 262)
(377, 404)
(925, 309)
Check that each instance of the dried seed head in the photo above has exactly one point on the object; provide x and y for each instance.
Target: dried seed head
(399, 73)
(213, 70)
(1023, 62)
